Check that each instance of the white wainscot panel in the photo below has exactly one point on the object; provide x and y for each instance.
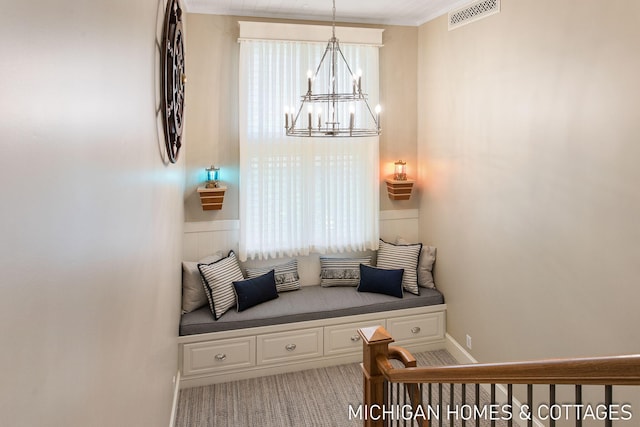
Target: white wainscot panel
(208, 237)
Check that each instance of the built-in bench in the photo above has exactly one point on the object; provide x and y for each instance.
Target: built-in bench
(307, 303)
(307, 328)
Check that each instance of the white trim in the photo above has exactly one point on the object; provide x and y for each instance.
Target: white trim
(199, 235)
(457, 351)
(174, 406)
(250, 30)
(206, 226)
(464, 357)
(234, 224)
(399, 214)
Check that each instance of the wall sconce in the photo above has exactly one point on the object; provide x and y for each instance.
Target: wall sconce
(399, 188)
(213, 175)
(212, 194)
(400, 171)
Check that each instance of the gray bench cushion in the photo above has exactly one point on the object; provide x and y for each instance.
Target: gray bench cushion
(308, 303)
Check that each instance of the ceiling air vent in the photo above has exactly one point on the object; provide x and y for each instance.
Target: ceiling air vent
(472, 12)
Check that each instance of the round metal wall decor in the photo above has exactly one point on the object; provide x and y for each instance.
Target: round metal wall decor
(173, 79)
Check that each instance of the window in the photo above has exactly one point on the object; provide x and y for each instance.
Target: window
(301, 195)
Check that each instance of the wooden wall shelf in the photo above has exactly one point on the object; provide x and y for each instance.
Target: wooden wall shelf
(399, 190)
(212, 198)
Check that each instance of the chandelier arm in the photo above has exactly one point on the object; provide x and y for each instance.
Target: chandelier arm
(295, 119)
(324, 55)
(345, 62)
(373, 116)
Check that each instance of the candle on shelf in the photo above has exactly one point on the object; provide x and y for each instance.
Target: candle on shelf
(213, 175)
(400, 171)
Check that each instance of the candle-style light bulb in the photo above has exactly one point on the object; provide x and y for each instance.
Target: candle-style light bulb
(310, 111)
(319, 118)
(309, 78)
(359, 73)
(378, 109)
(286, 117)
(352, 113)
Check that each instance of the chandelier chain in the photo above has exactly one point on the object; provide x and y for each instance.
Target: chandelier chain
(334, 19)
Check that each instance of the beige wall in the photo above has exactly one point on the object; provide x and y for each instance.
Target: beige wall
(528, 144)
(212, 111)
(90, 241)
(212, 106)
(398, 95)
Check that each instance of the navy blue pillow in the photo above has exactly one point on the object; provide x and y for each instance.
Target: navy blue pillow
(255, 291)
(381, 281)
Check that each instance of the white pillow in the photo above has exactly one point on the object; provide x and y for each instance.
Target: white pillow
(193, 296)
(425, 266)
(218, 280)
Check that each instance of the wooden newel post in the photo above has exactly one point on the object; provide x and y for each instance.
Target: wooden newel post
(375, 342)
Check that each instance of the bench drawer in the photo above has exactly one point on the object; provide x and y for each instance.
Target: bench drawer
(220, 355)
(289, 346)
(342, 339)
(421, 327)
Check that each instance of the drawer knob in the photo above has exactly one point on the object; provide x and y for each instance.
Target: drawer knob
(221, 356)
(290, 347)
(415, 330)
(355, 338)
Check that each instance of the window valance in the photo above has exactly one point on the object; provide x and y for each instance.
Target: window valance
(250, 30)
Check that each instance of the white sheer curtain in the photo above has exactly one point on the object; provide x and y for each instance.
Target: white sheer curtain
(301, 195)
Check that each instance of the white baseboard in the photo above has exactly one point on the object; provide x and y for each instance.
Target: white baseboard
(174, 405)
(465, 358)
(457, 351)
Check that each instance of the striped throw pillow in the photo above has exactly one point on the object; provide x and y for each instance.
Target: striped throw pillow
(287, 278)
(218, 280)
(392, 257)
(341, 271)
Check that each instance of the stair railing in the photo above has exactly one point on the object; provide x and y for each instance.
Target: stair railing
(411, 395)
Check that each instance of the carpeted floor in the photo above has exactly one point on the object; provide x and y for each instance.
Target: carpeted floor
(313, 398)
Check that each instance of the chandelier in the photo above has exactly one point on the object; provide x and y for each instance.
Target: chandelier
(343, 109)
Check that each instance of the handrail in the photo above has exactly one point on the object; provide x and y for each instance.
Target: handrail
(399, 353)
(380, 374)
(616, 370)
